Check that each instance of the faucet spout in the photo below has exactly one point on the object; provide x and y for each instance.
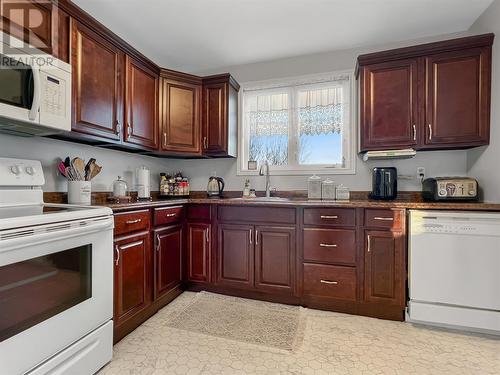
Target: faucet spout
(268, 178)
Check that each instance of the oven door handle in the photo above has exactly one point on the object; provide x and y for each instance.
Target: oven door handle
(50, 232)
(37, 91)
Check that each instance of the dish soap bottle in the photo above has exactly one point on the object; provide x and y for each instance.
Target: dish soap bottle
(246, 189)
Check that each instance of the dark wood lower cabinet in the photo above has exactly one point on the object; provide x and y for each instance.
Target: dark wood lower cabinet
(133, 271)
(168, 259)
(275, 259)
(198, 252)
(384, 267)
(235, 256)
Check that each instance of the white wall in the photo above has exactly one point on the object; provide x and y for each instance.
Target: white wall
(119, 163)
(483, 163)
(49, 151)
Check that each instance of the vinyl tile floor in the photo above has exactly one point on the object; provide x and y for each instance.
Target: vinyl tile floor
(333, 344)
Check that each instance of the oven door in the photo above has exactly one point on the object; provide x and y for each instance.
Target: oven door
(56, 286)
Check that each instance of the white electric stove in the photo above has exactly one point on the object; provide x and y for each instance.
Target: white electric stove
(56, 279)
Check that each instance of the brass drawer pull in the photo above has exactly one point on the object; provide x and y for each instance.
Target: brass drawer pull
(383, 218)
(329, 216)
(170, 215)
(133, 221)
(329, 282)
(327, 245)
(117, 260)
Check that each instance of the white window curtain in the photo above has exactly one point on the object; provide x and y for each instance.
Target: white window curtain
(285, 116)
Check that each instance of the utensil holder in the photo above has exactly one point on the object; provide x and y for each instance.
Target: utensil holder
(79, 192)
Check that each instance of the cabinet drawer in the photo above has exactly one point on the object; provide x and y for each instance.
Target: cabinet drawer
(330, 281)
(330, 245)
(257, 214)
(330, 216)
(167, 215)
(385, 219)
(134, 221)
(198, 212)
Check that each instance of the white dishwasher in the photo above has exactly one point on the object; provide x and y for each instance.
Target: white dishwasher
(454, 270)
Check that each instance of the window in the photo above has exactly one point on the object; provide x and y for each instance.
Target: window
(300, 125)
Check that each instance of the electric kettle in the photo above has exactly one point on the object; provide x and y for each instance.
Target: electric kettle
(215, 187)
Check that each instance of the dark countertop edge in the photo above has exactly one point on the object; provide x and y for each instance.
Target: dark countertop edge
(456, 206)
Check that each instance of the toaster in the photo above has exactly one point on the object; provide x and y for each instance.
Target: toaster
(450, 189)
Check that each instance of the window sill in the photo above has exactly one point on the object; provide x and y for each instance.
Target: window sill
(300, 172)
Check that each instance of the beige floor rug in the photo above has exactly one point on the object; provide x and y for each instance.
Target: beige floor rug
(255, 322)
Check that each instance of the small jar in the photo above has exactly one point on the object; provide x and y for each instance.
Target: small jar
(120, 188)
(314, 187)
(328, 189)
(342, 193)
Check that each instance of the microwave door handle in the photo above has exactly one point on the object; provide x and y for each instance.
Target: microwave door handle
(36, 94)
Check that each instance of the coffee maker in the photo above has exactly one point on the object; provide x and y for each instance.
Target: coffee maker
(384, 183)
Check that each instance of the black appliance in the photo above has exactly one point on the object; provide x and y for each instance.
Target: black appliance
(384, 183)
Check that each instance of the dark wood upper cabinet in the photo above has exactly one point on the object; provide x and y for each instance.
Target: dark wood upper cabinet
(457, 98)
(198, 252)
(389, 107)
(275, 259)
(432, 96)
(180, 115)
(384, 267)
(97, 84)
(141, 105)
(220, 116)
(132, 286)
(168, 259)
(235, 256)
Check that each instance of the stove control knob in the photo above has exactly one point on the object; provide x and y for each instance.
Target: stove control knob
(30, 170)
(472, 192)
(442, 193)
(15, 169)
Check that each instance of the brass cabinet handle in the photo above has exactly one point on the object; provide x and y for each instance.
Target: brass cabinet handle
(164, 139)
(158, 243)
(170, 215)
(329, 216)
(369, 243)
(207, 235)
(256, 237)
(133, 221)
(129, 130)
(117, 250)
(251, 235)
(329, 282)
(205, 142)
(414, 132)
(383, 218)
(327, 245)
(430, 132)
(118, 129)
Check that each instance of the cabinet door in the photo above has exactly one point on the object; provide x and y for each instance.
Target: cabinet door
(141, 105)
(97, 84)
(275, 258)
(168, 259)
(181, 117)
(215, 118)
(384, 267)
(235, 256)
(132, 276)
(198, 252)
(389, 108)
(458, 98)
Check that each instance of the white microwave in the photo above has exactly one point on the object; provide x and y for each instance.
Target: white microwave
(35, 90)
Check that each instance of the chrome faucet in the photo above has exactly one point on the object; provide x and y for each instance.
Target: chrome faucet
(268, 179)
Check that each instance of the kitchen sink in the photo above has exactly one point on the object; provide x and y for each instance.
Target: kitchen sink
(263, 199)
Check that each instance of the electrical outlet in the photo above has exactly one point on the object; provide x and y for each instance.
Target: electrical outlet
(421, 173)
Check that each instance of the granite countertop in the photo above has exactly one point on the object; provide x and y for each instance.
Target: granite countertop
(408, 200)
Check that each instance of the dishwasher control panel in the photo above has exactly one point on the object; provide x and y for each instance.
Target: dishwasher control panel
(449, 228)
